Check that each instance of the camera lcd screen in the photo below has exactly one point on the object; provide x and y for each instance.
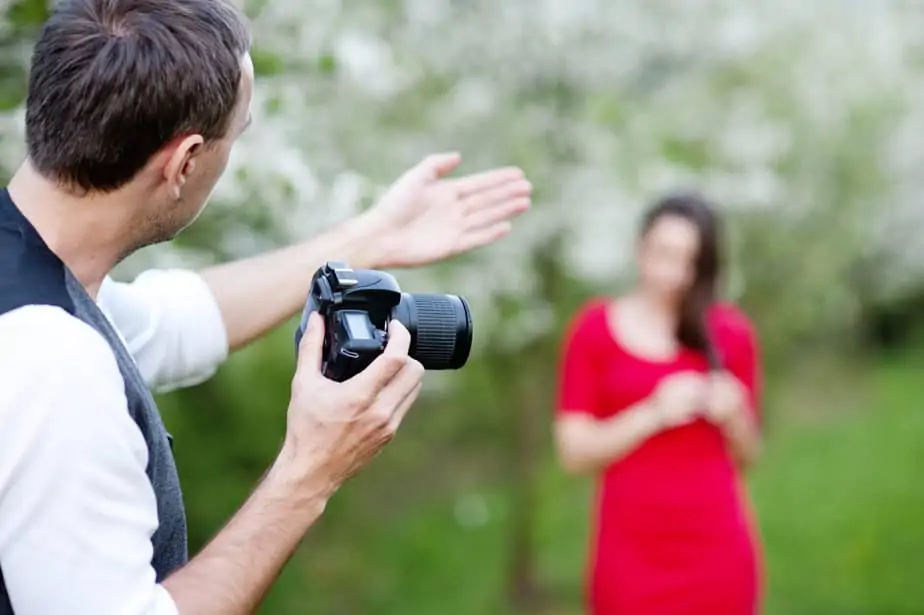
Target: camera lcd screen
(356, 324)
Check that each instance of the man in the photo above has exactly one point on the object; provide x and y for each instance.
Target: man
(132, 109)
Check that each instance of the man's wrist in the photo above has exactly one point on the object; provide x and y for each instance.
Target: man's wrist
(370, 242)
(306, 485)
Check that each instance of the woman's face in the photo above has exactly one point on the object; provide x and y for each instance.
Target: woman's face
(667, 256)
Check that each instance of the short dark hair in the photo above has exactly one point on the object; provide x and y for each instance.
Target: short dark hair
(113, 81)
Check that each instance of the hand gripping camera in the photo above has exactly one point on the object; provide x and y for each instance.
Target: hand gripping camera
(358, 304)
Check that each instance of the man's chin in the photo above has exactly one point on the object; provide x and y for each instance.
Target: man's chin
(161, 234)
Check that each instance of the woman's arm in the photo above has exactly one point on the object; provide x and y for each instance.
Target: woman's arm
(744, 439)
(735, 403)
(734, 415)
(586, 444)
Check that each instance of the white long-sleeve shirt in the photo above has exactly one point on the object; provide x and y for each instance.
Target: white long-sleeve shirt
(77, 510)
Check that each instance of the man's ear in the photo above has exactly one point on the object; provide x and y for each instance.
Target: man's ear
(182, 163)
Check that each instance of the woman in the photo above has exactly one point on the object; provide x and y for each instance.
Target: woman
(658, 397)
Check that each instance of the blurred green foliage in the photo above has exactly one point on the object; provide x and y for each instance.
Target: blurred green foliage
(466, 512)
(433, 526)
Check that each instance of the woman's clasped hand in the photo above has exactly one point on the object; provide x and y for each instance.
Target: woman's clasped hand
(683, 397)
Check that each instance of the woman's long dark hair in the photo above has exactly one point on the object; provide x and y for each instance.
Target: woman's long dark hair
(693, 327)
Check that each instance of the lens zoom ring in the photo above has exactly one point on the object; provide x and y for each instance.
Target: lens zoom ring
(436, 330)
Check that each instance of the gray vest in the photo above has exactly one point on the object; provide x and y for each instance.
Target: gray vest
(30, 274)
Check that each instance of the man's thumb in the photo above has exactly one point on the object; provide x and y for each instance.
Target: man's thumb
(435, 166)
(311, 348)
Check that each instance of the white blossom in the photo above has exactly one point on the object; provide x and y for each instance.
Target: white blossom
(605, 104)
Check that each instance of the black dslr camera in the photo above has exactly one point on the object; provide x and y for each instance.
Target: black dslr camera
(357, 305)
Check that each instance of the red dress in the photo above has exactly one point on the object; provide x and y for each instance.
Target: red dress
(673, 532)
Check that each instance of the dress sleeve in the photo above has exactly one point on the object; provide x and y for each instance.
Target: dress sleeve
(744, 359)
(579, 380)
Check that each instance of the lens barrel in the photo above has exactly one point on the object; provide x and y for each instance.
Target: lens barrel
(440, 327)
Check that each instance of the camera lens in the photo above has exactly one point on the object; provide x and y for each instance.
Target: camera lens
(440, 327)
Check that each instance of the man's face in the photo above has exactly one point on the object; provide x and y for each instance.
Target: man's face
(195, 168)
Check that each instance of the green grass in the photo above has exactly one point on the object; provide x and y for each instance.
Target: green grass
(839, 497)
(840, 500)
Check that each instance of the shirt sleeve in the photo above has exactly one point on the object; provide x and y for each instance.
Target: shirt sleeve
(77, 510)
(743, 360)
(579, 379)
(171, 324)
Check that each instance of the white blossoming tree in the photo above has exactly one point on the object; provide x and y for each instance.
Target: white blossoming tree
(803, 119)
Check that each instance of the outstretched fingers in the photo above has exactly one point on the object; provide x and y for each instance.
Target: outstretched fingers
(480, 237)
(498, 212)
(476, 183)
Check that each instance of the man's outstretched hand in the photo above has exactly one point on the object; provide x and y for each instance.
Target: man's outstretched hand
(426, 216)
